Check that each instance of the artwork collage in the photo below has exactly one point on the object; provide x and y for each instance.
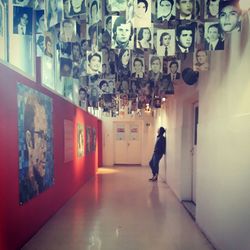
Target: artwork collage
(126, 52)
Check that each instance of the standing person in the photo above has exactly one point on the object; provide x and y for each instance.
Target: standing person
(159, 150)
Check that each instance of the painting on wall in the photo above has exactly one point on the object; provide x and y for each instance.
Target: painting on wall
(36, 163)
(93, 140)
(68, 141)
(80, 140)
(88, 140)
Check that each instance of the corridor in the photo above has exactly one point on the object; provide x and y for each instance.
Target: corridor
(120, 209)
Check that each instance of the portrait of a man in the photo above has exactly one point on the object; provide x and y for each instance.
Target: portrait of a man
(94, 66)
(68, 31)
(185, 9)
(122, 33)
(22, 22)
(165, 10)
(36, 165)
(88, 139)
(174, 71)
(185, 34)
(166, 42)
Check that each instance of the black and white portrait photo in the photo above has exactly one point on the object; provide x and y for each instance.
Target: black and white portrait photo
(53, 12)
(40, 21)
(142, 13)
(166, 42)
(22, 20)
(214, 36)
(144, 38)
(94, 12)
(155, 67)
(212, 9)
(185, 36)
(65, 67)
(201, 60)
(123, 63)
(76, 52)
(77, 7)
(230, 16)
(39, 45)
(68, 31)
(174, 68)
(122, 33)
(48, 44)
(106, 35)
(138, 67)
(185, 9)
(165, 10)
(94, 63)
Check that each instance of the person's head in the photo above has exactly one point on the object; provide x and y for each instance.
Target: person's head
(94, 61)
(213, 7)
(201, 56)
(82, 94)
(48, 45)
(141, 7)
(123, 57)
(68, 27)
(166, 6)
(138, 65)
(124, 84)
(77, 5)
(122, 30)
(36, 135)
(144, 34)
(213, 33)
(93, 9)
(103, 85)
(165, 39)
(109, 23)
(185, 7)
(155, 63)
(40, 42)
(24, 19)
(229, 15)
(76, 51)
(184, 35)
(173, 66)
(161, 131)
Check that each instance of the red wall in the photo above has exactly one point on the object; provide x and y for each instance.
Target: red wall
(19, 223)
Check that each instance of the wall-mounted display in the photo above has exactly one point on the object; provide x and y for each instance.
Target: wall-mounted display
(93, 140)
(35, 129)
(80, 140)
(166, 42)
(201, 60)
(88, 140)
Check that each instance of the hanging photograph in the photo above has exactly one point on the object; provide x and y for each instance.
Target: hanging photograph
(106, 35)
(123, 63)
(65, 49)
(144, 38)
(93, 36)
(1, 19)
(68, 140)
(94, 60)
(201, 60)
(185, 9)
(123, 86)
(94, 12)
(212, 9)
(68, 31)
(165, 10)
(214, 39)
(77, 7)
(122, 33)
(93, 97)
(185, 37)
(230, 16)
(22, 20)
(53, 12)
(76, 52)
(65, 67)
(83, 98)
(49, 45)
(88, 140)
(39, 45)
(174, 67)
(105, 87)
(80, 140)
(117, 5)
(142, 13)
(155, 68)
(200, 36)
(166, 42)
(40, 21)
(138, 67)
(35, 136)
(93, 141)
(134, 88)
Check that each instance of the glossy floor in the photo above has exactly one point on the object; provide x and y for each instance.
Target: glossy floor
(121, 210)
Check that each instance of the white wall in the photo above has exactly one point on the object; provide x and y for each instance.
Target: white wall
(223, 155)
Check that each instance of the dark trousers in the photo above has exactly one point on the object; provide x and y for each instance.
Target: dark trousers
(154, 163)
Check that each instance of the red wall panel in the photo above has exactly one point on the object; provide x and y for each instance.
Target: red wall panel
(19, 223)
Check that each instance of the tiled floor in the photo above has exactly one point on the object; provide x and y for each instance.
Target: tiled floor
(121, 210)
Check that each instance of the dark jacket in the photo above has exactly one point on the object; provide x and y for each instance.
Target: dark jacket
(160, 145)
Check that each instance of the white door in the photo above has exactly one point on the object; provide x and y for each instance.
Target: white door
(127, 145)
(193, 151)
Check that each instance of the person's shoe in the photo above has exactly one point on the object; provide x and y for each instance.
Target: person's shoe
(154, 178)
